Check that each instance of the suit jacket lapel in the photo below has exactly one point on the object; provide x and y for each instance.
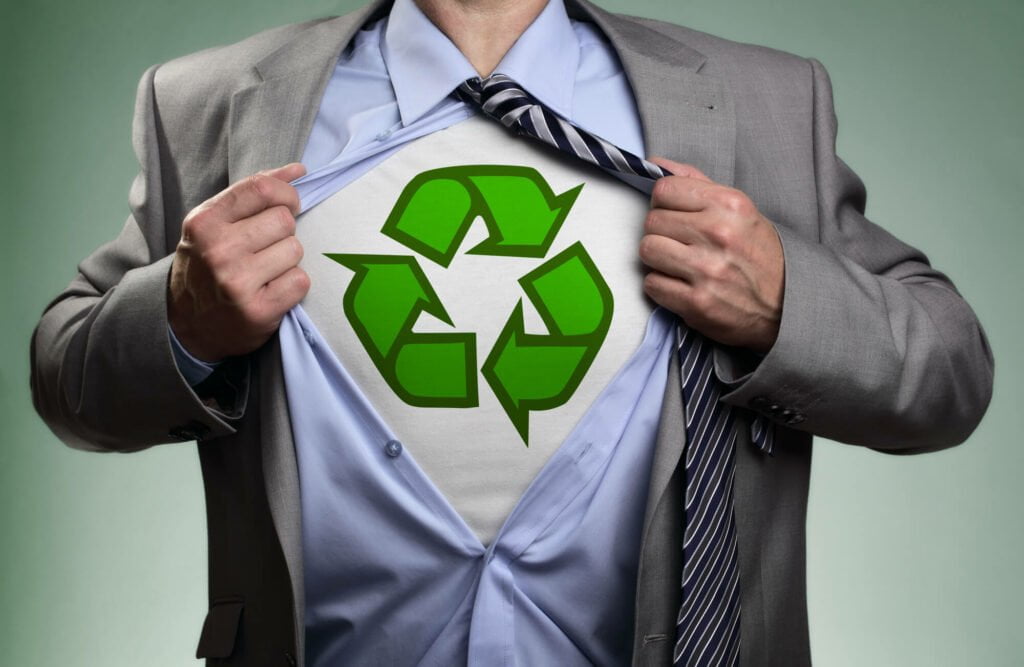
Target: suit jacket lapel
(270, 123)
(271, 120)
(686, 116)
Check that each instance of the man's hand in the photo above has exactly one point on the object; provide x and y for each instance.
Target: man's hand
(715, 260)
(235, 272)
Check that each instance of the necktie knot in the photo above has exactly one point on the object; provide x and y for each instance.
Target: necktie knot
(499, 97)
(470, 88)
(504, 100)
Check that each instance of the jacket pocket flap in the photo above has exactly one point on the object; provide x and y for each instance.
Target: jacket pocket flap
(220, 629)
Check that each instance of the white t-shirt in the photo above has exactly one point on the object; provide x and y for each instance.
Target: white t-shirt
(387, 247)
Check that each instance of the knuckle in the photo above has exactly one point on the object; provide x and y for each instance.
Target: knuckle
(302, 282)
(731, 200)
(648, 247)
(741, 205)
(662, 188)
(652, 221)
(295, 248)
(293, 197)
(196, 223)
(225, 202)
(716, 268)
(724, 235)
(258, 183)
(701, 299)
(652, 283)
(191, 227)
(285, 220)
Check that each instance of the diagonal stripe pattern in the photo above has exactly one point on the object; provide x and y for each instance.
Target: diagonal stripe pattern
(708, 624)
(502, 99)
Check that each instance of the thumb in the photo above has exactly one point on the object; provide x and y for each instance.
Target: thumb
(288, 172)
(680, 168)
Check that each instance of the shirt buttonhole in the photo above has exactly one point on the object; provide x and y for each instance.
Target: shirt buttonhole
(583, 452)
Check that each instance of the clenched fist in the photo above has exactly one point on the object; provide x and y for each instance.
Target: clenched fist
(235, 271)
(715, 260)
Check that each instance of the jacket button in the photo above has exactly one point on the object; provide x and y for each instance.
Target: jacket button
(795, 419)
(289, 659)
(191, 431)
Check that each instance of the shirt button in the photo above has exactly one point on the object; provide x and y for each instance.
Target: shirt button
(760, 402)
(310, 338)
(381, 136)
(393, 448)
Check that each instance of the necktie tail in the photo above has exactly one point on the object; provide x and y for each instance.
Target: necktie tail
(708, 625)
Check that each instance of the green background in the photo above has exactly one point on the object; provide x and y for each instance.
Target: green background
(912, 561)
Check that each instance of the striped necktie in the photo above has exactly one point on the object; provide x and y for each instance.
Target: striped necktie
(708, 624)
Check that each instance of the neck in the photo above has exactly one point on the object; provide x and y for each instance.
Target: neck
(483, 30)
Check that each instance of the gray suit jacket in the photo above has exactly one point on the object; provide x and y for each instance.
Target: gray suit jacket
(876, 348)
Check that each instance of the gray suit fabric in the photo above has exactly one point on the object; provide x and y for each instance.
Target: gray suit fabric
(876, 348)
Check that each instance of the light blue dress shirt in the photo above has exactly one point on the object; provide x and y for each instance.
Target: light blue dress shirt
(394, 81)
(393, 575)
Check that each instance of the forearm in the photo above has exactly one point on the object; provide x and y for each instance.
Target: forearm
(896, 362)
(875, 346)
(103, 374)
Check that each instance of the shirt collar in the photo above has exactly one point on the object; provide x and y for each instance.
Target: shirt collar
(425, 66)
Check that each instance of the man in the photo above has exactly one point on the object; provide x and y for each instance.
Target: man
(825, 325)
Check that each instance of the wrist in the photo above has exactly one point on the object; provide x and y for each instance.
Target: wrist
(184, 331)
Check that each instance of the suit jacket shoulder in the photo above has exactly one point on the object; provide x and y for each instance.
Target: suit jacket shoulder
(190, 100)
(761, 79)
(210, 73)
(720, 50)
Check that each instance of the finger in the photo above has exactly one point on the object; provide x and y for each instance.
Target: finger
(288, 172)
(681, 226)
(670, 292)
(275, 260)
(668, 256)
(680, 168)
(282, 293)
(251, 195)
(682, 193)
(264, 229)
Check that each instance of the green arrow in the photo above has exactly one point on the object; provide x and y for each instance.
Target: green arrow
(542, 371)
(437, 208)
(524, 213)
(570, 295)
(383, 302)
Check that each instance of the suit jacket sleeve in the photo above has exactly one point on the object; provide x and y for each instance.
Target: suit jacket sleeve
(876, 347)
(103, 374)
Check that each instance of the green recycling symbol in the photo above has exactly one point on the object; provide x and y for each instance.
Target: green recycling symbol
(527, 372)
